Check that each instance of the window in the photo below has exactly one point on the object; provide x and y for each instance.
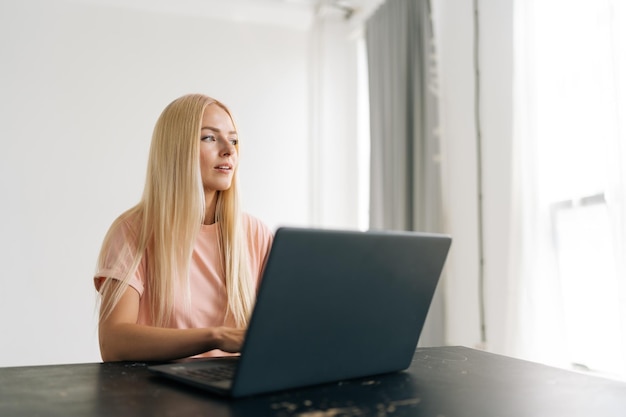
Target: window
(571, 129)
(589, 282)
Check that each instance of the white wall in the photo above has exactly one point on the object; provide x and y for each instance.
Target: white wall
(81, 87)
(454, 25)
(496, 62)
(453, 30)
(333, 147)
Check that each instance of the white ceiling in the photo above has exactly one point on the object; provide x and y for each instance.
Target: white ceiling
(291, 13)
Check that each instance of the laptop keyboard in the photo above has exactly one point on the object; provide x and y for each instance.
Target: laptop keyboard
(217, 373)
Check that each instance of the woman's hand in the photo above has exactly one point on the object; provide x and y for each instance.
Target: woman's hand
(229, 339)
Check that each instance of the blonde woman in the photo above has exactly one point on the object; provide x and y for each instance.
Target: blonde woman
(178, 272)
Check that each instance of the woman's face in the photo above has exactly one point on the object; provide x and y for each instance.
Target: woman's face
(218, 154)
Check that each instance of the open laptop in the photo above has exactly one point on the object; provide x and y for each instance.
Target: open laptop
(332, 305)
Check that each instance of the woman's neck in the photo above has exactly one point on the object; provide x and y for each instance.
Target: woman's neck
(210, 203)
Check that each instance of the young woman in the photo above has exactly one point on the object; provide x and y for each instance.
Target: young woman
(178, 272)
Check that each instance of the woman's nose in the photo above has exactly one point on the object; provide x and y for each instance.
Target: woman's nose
(227, 148)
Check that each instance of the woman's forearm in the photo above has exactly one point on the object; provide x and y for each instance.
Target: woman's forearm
(128, 342)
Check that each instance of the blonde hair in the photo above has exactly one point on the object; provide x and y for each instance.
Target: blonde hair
(169, 217)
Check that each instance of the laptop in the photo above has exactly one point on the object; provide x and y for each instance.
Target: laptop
(332, 305)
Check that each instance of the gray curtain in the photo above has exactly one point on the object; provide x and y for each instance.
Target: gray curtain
(405, 187)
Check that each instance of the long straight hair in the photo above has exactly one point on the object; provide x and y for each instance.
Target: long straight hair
(169, 216)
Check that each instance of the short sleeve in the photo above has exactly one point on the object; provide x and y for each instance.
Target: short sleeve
(117, 257)
(259, 238)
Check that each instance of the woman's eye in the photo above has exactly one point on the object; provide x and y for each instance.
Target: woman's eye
(208, 138)
(234, 142)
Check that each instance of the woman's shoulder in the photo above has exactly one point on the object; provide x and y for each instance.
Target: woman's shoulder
(255, 228)
(251, 222)
(259, 238)
(126, 226)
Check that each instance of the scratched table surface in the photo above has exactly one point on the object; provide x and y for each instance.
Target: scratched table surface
(441, 382)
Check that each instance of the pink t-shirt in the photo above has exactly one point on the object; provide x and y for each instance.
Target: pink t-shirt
(206, 276)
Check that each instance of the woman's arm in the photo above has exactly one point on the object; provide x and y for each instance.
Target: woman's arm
(122, 339)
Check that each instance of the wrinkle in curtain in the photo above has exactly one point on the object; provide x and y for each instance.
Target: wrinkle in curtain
(405, 178)
(405, 191)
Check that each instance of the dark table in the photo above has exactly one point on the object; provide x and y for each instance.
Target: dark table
(441, 382)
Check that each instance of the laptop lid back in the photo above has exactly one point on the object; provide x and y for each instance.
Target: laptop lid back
(335, 305)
